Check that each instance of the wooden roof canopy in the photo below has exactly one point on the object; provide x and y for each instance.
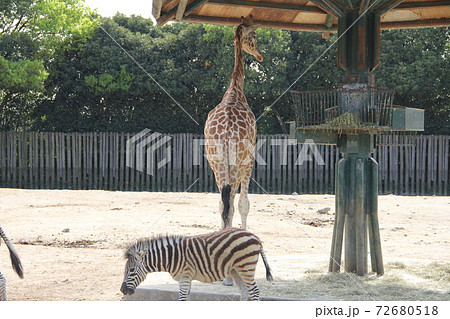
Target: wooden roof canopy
(304, 15)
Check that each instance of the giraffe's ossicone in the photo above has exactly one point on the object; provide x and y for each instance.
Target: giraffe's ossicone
(230, 129)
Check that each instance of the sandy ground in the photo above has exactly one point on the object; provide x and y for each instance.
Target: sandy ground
(71, 242)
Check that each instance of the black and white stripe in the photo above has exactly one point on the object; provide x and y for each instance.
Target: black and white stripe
(15, 261)
(206, 258)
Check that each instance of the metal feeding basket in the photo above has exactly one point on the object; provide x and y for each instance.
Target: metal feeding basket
(344, 109)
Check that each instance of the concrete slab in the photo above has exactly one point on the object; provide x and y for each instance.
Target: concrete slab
(146, 293)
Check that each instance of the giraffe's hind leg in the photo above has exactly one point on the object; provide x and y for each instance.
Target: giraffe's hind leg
(2, 287)
(230, 212)
(244, 203)
(228, 281)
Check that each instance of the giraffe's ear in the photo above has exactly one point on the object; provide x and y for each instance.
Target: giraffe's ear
(250, 20)
(247, 21)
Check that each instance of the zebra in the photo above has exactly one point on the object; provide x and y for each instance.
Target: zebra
(207, 258)
(15, 261)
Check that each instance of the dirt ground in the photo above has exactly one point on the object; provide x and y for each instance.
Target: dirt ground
(71, 242)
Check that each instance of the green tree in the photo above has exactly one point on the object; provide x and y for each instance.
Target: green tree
(31, 31)
(415, 63)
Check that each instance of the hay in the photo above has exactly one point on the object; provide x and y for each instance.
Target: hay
(348, 121)
(418, 281)
(344, 121)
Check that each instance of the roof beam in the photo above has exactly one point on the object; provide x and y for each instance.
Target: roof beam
(330, 7)
(363, 7)
(423, 4)
(194, 6)
(261, 23)
(169, 15)
(350, 4)
(315, 27)
(156, 8)
(322, 6)
(389, 5)
(269, 5)
(329, 21)
(181, 8)
(445, 22)
(166, 17)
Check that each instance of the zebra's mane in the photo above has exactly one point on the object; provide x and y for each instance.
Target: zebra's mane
(144, 244)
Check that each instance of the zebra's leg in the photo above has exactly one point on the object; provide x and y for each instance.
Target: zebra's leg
(228, 281)
(2, 287)
(248, 277)
(241, 285)
(253, 290)
(185, 288)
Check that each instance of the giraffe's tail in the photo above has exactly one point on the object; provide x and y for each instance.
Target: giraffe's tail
(226, 190)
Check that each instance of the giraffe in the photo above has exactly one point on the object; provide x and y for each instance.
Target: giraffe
(230, 131)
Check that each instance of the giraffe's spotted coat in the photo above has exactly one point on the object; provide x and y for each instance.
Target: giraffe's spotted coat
(230, 129)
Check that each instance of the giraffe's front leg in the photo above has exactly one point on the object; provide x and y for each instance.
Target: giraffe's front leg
(244, 207)
(185, 288)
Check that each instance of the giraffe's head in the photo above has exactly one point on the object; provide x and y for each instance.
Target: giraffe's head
(248, 35)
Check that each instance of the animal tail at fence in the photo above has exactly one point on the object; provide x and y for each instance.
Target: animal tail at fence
(226, 190)
(15, 261)
(266, 264)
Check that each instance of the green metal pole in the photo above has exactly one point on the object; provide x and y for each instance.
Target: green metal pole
(354, 202)
(338, 229)
(360, 217)
(375, 228)
(350, 225)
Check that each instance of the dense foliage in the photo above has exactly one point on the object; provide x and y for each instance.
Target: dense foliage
(72, 71)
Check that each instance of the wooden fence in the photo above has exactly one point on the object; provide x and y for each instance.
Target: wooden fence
(408, 164)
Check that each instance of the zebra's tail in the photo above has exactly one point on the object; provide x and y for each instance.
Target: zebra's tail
(15, 260)
(266, 264)
(226, 191)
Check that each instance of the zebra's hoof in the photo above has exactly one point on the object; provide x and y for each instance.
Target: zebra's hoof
(228, 282)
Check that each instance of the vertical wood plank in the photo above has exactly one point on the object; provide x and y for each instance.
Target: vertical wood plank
(446, 156)
(429, 176)
(2, 159)
(14, 159)
(422, 164)
(127, 168)
(289, 169)
(21, 160)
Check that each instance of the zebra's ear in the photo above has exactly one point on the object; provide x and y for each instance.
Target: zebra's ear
(141, 253)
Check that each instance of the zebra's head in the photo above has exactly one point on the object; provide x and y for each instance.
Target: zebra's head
(135, 270)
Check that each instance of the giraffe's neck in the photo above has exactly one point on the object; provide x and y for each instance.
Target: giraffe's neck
(237, 78)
